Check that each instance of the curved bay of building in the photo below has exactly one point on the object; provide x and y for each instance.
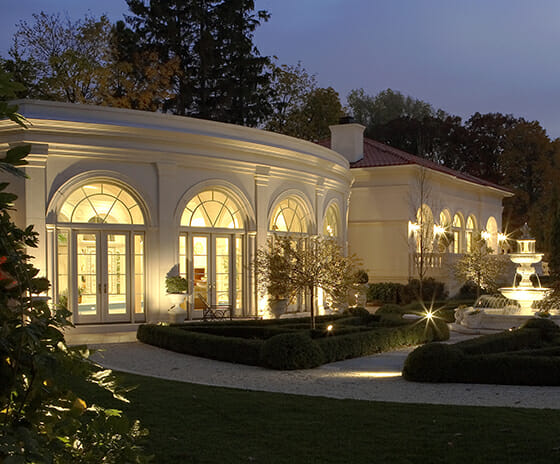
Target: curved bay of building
(123, 198)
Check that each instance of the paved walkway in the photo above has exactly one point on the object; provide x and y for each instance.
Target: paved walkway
(372, 378)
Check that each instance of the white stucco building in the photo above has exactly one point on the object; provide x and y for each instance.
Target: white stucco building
(121, 198)
(402, 206)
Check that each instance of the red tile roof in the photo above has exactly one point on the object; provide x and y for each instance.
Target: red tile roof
(377, 154)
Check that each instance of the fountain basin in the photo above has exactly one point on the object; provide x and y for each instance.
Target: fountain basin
(525, 258)
(525, 297)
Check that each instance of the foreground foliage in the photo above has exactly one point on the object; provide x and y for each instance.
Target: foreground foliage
(527, 356)
(44, 415)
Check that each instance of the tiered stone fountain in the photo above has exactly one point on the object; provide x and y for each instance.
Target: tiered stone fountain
(491, 312)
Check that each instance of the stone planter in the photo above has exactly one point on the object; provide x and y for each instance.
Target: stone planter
(176, 313)
(278, 307)
(176, 299)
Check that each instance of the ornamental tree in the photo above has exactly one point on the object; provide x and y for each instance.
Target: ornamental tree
(314, 262)
(480, 266)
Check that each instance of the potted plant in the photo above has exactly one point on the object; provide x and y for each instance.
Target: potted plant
(177, 288)
(274, 274)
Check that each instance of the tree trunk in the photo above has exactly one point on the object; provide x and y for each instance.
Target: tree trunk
(312, 307)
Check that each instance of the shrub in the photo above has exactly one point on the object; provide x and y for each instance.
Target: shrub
(381, 339)
(434, 362)
(391, 309)
(469, 290)
(357, 311)
(291, 351)
(176, 284)
(237, 350)
(520, 357)
(503, 368)
(385, 292)
(432, 290)
(500, 342)
(361, 277)
(247, 332)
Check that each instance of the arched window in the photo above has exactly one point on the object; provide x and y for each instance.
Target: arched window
(101, 203)
(289, 216)
(213, 260)
(469, 233)
(100, 259)
(213, 209)
(443, 232)
(331, 222)
(492, 233)
(457, 228)
(425, 234)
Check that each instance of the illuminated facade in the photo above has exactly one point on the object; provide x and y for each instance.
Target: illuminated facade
(122, 198)
(403, 206)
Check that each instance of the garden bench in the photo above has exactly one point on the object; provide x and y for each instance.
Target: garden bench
(217, 311)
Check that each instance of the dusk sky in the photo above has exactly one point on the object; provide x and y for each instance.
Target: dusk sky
(459, 55)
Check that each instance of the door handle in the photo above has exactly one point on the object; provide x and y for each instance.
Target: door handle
(99, 286)
(105, 287)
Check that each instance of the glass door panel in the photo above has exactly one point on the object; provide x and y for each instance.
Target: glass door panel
(86, 286)
(222, 269)
(102, 286)
(238, 275)
(200, 271)
(138, 276)
(116, 286)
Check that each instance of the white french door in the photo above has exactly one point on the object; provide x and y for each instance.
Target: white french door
(212, 269)
(102, 284)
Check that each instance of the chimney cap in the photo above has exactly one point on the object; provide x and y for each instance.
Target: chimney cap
(347, 119)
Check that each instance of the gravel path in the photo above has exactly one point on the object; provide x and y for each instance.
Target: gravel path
(353, 379)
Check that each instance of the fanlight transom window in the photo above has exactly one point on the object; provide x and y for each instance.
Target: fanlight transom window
(212, 208)
(289, 216)
(101, 203)
(330, 225)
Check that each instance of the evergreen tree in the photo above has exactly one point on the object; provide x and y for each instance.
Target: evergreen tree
(554, 245)
(222, 75)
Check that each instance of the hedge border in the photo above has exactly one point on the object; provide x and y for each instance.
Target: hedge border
(527, 356)
(250, 351)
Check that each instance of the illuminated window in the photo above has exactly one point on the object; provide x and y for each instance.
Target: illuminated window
(330, 224)
(469, 233)
(101, 203)
(425, 235)
(457, 228)
(212, 208)
(289, 216)
(492, 230)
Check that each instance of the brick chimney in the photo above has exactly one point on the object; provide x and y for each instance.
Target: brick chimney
(347, 138)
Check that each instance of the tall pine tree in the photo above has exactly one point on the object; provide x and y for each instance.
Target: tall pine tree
(222, 75)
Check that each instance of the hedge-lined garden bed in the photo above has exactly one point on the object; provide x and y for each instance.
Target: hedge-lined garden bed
(529, 355)
(289, 343)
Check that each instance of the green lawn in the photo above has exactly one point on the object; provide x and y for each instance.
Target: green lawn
(198, 424)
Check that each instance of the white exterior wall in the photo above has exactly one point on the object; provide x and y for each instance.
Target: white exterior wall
(165, 160)
(385, 199)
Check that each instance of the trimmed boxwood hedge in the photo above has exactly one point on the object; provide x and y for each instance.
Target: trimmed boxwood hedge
(527, 356)
(382, 339)
(231, 349)
(291, 349)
